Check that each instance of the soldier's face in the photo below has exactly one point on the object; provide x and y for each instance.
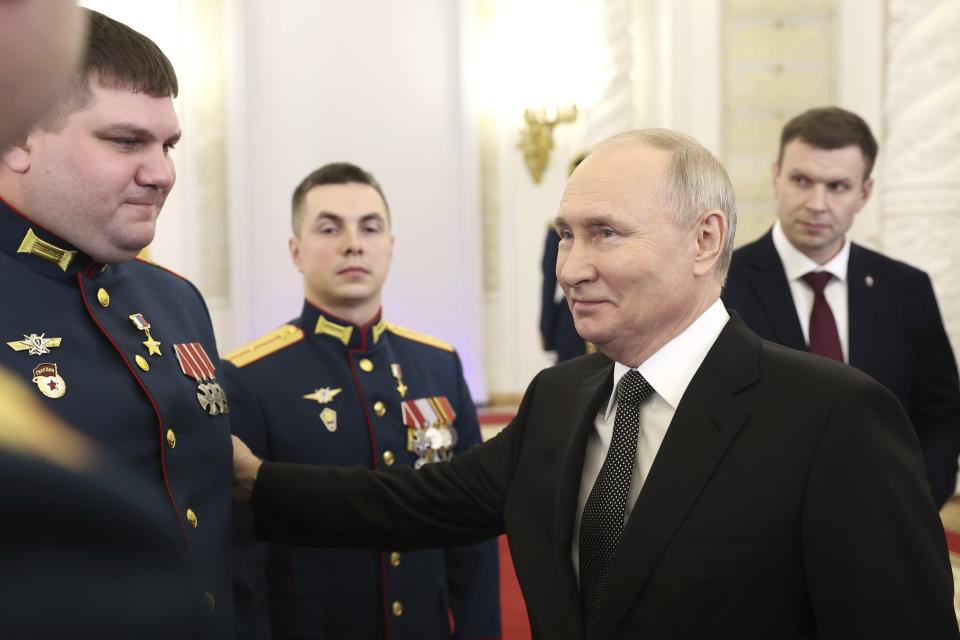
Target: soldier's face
(100, 179)
(344, 248)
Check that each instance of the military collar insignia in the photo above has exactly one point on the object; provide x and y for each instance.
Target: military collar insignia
(334, 330)
(344, 333)
(37, 344)
(46, 250)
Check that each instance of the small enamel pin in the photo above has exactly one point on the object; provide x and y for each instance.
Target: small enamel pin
(37, 344)
(48, 380)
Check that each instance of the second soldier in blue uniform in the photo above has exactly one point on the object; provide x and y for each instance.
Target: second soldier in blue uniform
(340, 385)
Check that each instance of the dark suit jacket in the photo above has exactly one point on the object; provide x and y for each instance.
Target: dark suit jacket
(896, 335)
(787, 501)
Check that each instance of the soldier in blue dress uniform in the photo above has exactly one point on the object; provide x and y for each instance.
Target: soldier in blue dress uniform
(341, 385)
(121, 349)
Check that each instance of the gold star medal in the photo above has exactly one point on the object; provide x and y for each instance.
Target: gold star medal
(36, 344)
(153, 346)
(398, 374)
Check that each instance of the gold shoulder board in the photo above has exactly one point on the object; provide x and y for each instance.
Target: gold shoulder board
(265, 345)
(416, 336)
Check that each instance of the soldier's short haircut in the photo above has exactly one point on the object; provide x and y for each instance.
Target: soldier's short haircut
(333, 173)
(831, 128)
(116, 57)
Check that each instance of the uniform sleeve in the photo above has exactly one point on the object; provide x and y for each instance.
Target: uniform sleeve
(935, 407)
(249, 556)
(473, 572)
(873, 547)
(440, 505)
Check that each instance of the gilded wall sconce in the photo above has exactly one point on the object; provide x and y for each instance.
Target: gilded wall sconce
(536, 140)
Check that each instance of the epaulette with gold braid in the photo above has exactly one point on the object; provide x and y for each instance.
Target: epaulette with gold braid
(265, 345)
(416, 336)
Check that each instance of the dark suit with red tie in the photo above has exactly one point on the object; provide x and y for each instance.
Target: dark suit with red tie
(787, 501)
(896, 335)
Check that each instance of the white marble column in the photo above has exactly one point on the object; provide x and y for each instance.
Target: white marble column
(920, 174)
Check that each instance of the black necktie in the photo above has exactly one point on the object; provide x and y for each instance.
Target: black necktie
(602, 521)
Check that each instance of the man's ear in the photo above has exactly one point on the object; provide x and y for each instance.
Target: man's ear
(294, 245)
(17, 157)
(867, 190)
(711, 230)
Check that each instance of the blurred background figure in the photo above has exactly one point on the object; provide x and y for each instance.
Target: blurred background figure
(556, 321)
(40, 45)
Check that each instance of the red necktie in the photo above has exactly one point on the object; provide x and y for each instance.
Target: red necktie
(824, 339)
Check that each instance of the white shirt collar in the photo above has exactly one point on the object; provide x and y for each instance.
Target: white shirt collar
(670, 369)
(796, 264)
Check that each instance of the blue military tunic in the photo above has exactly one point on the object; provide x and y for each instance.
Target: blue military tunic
(322, 391)
(125, 353)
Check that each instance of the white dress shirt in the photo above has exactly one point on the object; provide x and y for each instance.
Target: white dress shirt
(796, 265)
(669, 372)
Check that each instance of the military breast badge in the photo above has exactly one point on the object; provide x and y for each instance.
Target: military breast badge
(196, 364)
(323, 395)
(430, 432)
(49, 382)
(36, 344)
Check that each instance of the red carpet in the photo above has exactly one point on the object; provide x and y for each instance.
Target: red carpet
(512, 609)
(953, 543)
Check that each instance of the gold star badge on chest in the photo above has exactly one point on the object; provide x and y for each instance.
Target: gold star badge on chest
(153, 346)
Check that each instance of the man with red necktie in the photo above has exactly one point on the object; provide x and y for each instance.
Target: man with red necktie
(806, 285)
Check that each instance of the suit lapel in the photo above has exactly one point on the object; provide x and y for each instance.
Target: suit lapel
(594, 390)
(863, 308)
(706, 422)
(769, 283)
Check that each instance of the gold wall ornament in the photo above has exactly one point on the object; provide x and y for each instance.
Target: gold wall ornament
(536, 140)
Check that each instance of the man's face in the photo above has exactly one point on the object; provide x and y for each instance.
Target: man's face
(626, 269)
(100, 180)
(40, 43)
(818, 192)
(344, 248)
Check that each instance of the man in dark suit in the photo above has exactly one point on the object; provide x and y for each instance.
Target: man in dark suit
(726, 489)
(877, 314)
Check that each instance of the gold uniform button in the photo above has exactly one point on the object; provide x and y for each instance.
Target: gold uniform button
(379, 408)
(142, 363)
(394, 558)
(103, 297)
(388, 458)
(171, 439)
(209, 599)
(366, 364)
(397, 608)
(192, 518)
